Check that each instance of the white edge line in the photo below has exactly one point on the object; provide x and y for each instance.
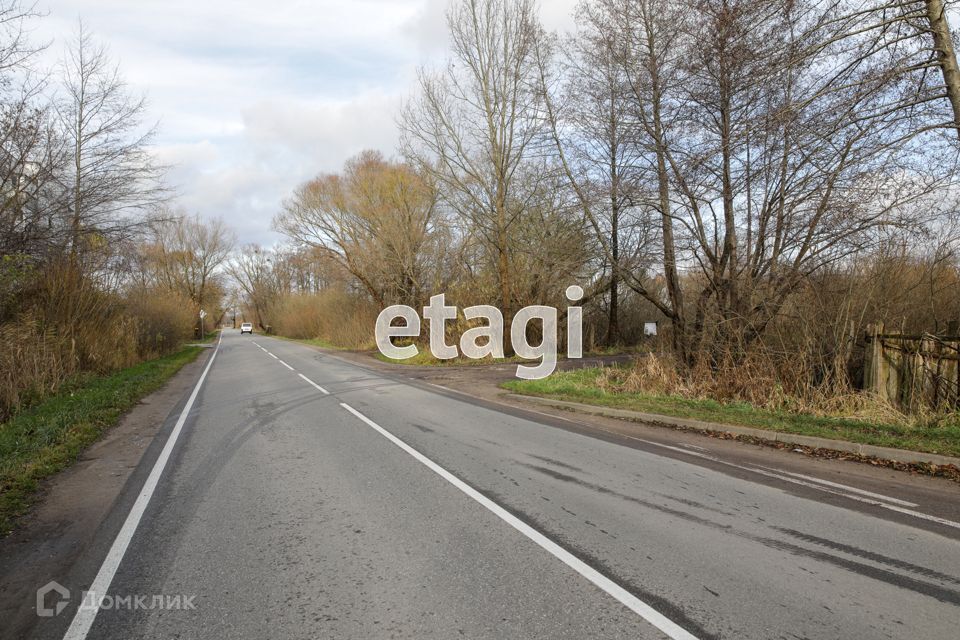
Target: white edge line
(83, 620)
(850, 496)
(641, 608)
(810, 485)
(837, 485)
(924, 516)
(318, 387)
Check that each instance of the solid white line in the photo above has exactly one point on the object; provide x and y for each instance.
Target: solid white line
(924, 516)
(83, 620)
(803, 483)
(321, 389)
(837, 485)
(641, 608)
(286, 365)
(850, 496)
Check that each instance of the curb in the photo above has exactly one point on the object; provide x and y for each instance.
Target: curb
(868, 450)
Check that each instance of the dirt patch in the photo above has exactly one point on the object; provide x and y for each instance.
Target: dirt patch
(480, 380)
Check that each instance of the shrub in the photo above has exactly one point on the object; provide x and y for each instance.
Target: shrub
(342, 319)
(67, 323)
(33, 364)
(163, 320)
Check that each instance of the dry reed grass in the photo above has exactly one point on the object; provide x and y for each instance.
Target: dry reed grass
(68, 324)
(759, 381)
(336, 317)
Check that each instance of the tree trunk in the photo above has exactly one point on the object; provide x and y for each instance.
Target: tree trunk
(613, 322)
(943, 42)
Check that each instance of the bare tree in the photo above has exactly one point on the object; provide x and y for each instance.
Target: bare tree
(589, 111)
(474, 125)
(637, 46)
(780, 142)
(111, 178)
(945, 54)
(378, 220)
(908, 38)
(186, 253)
(260, 275)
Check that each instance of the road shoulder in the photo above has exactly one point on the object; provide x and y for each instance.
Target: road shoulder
(75, 504)
(484, 382)
(481, 384)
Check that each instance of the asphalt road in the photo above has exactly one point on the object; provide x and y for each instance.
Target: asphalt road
(307, 497)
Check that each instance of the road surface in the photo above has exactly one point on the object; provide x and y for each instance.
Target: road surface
(302, 496)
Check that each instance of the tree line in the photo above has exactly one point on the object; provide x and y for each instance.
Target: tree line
(723, 168)
(97, 271)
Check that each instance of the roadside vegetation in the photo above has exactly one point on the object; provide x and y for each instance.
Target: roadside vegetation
(854, 418)
(46, 438)
(98, 271)
(102, 279)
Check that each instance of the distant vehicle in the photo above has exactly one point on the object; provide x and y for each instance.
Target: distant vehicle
(246, 327)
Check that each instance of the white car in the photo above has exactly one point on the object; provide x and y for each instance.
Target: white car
(246, 327)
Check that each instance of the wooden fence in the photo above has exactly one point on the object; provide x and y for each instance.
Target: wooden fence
(912, 371)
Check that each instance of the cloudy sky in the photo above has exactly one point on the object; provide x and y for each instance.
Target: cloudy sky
(255, 96)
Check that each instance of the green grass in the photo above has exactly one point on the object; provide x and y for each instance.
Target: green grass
(941, 437)
(49, 436)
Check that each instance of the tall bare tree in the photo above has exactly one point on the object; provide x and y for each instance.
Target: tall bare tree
(474, 125)
(589, 110)
(111, 179)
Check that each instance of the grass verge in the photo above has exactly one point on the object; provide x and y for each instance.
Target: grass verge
(934, 436)
(49, 436)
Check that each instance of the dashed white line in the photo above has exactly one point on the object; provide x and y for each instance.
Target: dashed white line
(285, 364)
(641, 608)
(318, 387)
(83, 620)
(272, 356)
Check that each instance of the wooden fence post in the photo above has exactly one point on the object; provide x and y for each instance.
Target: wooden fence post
(874, 378)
